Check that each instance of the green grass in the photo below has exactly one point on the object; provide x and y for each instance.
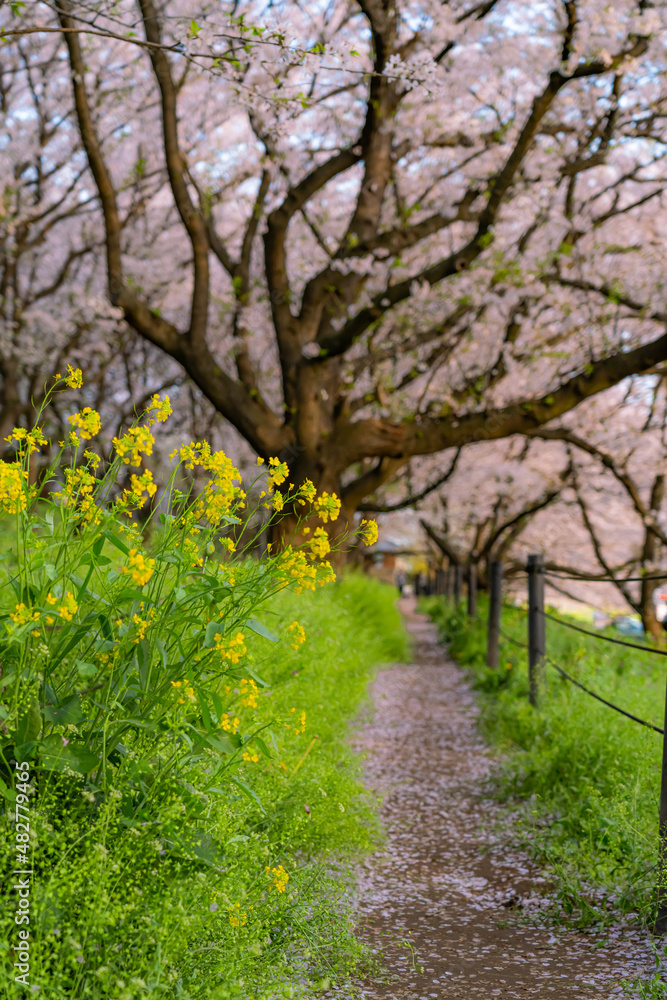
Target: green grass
(589, 779)
(110, 919)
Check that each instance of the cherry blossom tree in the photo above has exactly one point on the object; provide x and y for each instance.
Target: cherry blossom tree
(53, 310)
(619, 462)
(588, 493)
(479, 509)
(368, 231)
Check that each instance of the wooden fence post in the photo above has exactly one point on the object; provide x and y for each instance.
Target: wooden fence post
(472, 590)
(449, 583)
(660, 926)
(536, 627)
(458, 583)
(495, 604)
(440, 581)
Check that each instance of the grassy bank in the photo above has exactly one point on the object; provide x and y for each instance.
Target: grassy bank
(254, 904)
(588, 778)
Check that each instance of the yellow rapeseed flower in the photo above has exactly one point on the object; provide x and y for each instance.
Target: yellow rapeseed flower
(298, 634)
(28, 441)
(278, 472)
(12, 488)
(139, 567)
(87, 422)
(68, 608)
(161, 408)
(248, 692)
(137, 442)
(232, 648)
(307, 491)
(369, 532)
(279, 878)
(327, 506)
(74, 377)
(319, 544)
(21, 615)
(237, 917)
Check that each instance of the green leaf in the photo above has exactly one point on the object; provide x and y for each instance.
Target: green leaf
(78, 635)
(53, 756)
(200, 844)
(260, 629)
(247, 790)
(68, 712)
(175, 558)
(205, 714)
(217, 704)
(212, 629)
(115, 540)
(86, 669)
(222, 742)
(255, 676)
(30, 723)
(261, 744)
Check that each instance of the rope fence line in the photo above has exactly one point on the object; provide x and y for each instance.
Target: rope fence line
(605, 579)
(573, 680)
(628, 715)
(604, 638)
(538, 660)
(515, 642)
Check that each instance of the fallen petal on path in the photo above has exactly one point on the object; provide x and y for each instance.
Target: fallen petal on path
(444, 903)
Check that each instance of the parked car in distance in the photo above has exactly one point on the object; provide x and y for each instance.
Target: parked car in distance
(628, 626)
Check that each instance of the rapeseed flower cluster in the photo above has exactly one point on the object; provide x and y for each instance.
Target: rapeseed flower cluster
(184, 688)
(140, 567)
(237, 916)
(68, 608)
(231, 649)
(137, 442)
(12, 488)
(248, 692)
(278, 472)
(78, 481)
(191, 550)
(88, 423)
(223, 493)
(160, 407)
(278, 502)
(319, 545)
(298, 634)
(327, 506)
(74, 377)
(307, 492)
(369, 532)
(21, 615)
(28, 441)
(141, 488)
(142, 624)
(279, 878)
(230, 725)
(294, 567)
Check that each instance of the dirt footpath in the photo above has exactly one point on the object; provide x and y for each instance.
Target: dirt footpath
(446, 883)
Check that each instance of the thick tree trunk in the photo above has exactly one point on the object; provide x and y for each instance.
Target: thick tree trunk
(646, 607)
